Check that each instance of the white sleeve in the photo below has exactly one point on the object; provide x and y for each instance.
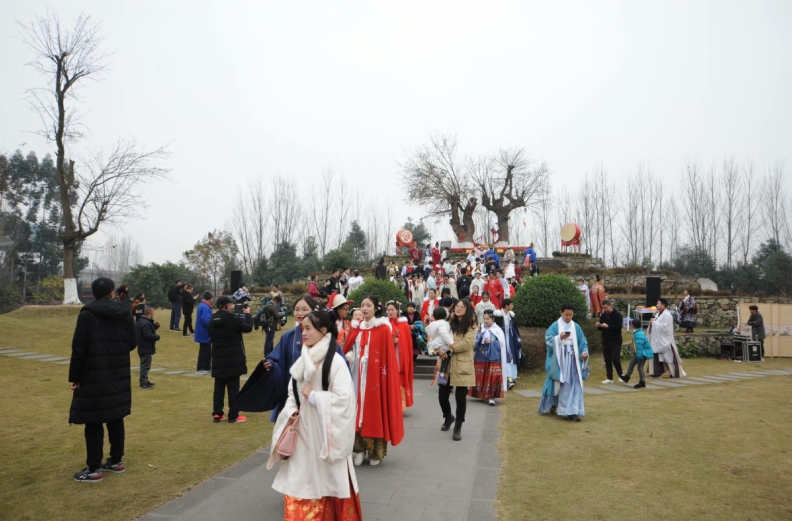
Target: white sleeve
(337, 409)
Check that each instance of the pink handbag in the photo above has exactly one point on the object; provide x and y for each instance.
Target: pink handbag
(288, 439)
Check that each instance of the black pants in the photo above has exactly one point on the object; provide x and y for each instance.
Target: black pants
(640, 362)
(612, 359)
(461, 401)
(221, 384)
(268, 341)
(188, 324)
(94, 441)
(204, 357)
(145, 366)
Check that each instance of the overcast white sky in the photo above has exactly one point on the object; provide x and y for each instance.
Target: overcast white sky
(245, 89)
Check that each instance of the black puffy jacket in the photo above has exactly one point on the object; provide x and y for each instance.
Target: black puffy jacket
(147, 336)
(228, 349)
(103, 338)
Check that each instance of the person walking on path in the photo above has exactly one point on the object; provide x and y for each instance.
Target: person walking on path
(228, 356)
(489, 361)
(202, 319)
(100, 378)
(402, 341)
(610, 325)
(642, 353)
(147, 337)
(318, 480)
(505, 319)
(188, 303)
(174, 297)
(272, 316)
(567, 354)
(461, 372)
(379, 412)
(757, 325)
(484, 305)
(661, 336)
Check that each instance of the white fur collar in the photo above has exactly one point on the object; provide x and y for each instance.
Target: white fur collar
(402, 319)
(499, 313)
(305, 366)
(355, 324)
(376, 322)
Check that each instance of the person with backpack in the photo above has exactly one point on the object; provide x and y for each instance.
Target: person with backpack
(316, 431)
(228, 356)
(100, 378)
(272, 315)
(174, 297)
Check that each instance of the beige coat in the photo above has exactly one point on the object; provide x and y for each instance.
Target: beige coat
(461, 371)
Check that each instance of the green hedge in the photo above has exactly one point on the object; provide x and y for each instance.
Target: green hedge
(538, 301)
(385, 290)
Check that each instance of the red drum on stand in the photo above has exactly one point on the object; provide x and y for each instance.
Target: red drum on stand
(570, 237)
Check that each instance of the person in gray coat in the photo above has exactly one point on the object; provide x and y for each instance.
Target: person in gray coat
(757, 326)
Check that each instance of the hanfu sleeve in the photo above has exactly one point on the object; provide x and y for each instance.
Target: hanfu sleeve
(582, 342)
(551, 363)
(336, 408)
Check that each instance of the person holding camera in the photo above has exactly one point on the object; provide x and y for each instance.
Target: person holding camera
(272, 315)
(228, 356)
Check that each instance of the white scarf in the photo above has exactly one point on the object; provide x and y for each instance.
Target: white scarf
(305, 366)
(559, 350)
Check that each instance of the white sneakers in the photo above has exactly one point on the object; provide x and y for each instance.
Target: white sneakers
(492, 402)
(357, 458)
(374, 462)
(607, 381)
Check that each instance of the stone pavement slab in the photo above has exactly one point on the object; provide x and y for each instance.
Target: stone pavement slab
(618, 388)
(594, 390)
(64, 363)
(36, 356)
(687, 382)
(733, 377)
(426, 477)
(667, 384)
(8, 351)
(23, 354)
(156, 369)
(757, 375)
(54, 359)
(175, 372)
(704, 379)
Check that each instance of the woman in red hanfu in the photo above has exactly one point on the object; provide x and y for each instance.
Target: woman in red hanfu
(379, 413)
(430, 302)
(402, 340)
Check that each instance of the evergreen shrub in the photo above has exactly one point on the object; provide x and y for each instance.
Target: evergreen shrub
(538, 301)
(385, 290)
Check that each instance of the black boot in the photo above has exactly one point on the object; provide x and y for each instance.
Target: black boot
(457, 431)
(447, 423)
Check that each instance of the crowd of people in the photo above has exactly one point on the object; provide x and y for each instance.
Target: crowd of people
(339, 382)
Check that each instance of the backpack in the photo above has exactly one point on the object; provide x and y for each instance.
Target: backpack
(172, 293)
(326, 365)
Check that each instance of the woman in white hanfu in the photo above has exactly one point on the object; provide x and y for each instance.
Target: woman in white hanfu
(318, 479)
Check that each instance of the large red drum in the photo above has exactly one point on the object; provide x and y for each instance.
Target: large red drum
(570, 234)
(404, 236)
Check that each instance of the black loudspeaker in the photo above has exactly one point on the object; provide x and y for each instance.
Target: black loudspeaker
(652, 291)
(236, 280)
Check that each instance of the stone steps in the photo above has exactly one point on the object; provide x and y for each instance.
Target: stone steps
(424, 367)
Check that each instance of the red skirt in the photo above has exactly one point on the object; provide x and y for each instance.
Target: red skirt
(489, 381)
(325, 509)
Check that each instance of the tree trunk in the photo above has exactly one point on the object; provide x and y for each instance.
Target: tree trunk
(70, 293)
(503, 225)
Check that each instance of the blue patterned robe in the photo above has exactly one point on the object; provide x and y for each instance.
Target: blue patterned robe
(567, 397)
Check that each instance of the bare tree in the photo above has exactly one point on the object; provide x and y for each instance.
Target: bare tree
(774, 211)
(434, 178)
(750, 183)
(730, 184)
(322, 206)
(513, 182)
(544, 213)
(585, 212)
(284, 218)
(66, 58)
(121, 254)
(694, 209)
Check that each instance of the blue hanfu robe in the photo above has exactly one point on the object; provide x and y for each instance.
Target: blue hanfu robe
(529, 253)
(268, 390)
(513, 343)
(563, 387)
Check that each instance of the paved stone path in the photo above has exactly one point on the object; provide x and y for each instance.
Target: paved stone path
(426, 477)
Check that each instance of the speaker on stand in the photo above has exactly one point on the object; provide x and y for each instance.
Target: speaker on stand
(652, 291)
(236, 280)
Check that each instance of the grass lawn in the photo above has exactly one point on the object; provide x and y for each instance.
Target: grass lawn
(171, 442)
(705, 452)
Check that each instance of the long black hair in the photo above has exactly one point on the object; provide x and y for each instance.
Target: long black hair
(460, 326)
(312, 303)
(320, 320)
(378, 308)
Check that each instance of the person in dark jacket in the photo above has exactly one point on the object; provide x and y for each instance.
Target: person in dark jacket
(228, 356)
(99, 376)
(174, 296)
(463, 283)
(757, 325)
(610, 325)
(147, 338)
(381, 272)
(188, 303)
(123, 295)
(202, 334)
(272, 316)
(139, 307)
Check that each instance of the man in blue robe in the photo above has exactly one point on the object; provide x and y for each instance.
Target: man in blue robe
(505, 319)
(567, 354)
(530, 255)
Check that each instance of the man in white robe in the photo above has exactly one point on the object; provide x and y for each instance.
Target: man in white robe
(661, 336)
